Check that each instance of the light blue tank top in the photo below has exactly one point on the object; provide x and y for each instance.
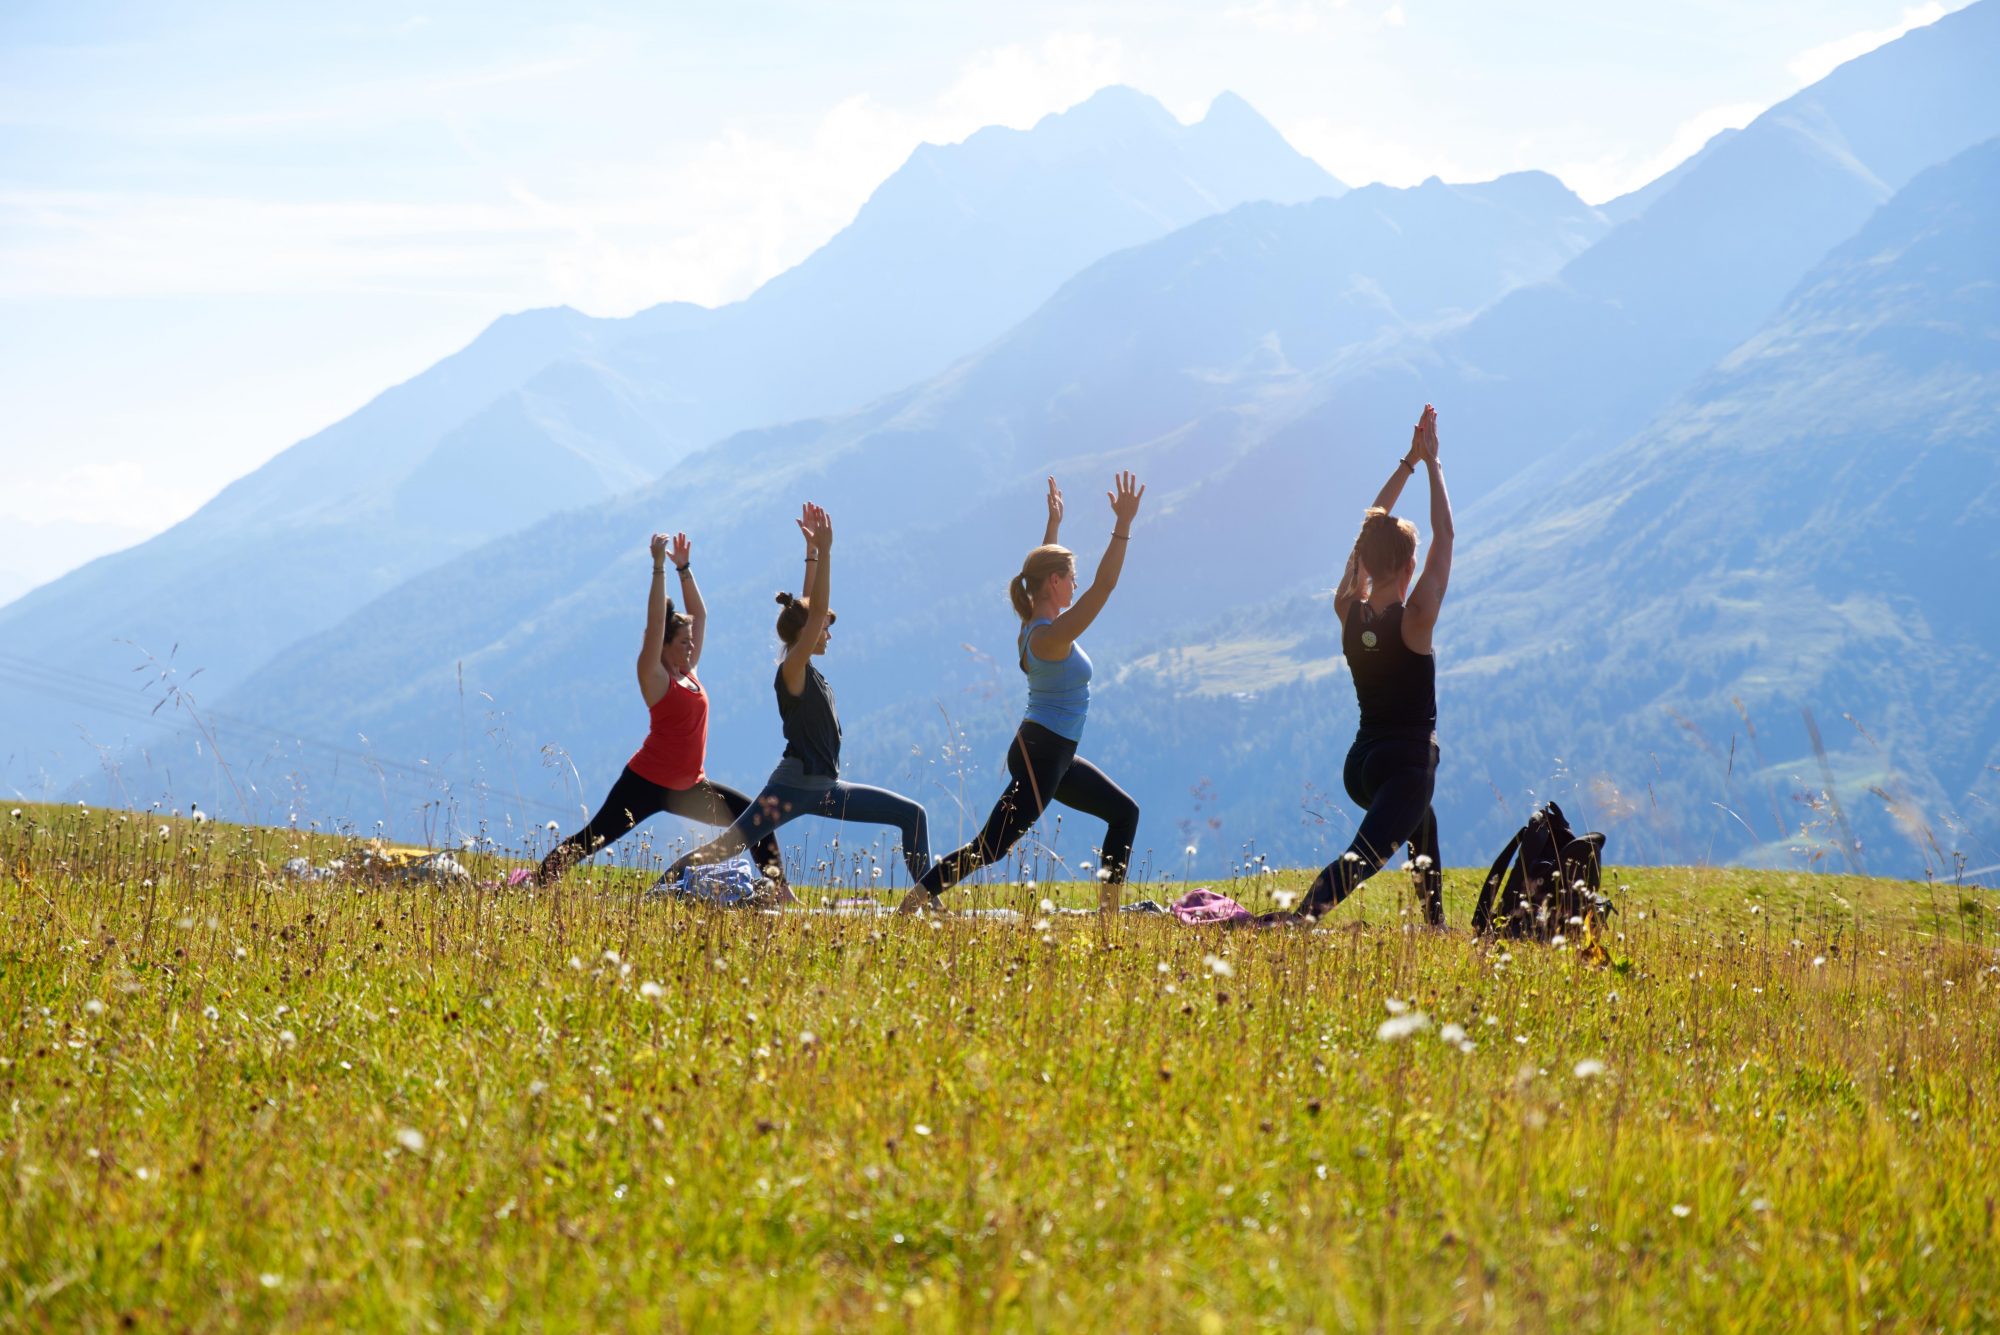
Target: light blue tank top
(1058, 692)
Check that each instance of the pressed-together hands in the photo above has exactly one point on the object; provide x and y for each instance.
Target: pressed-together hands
(1424, 439)
(1055, 503)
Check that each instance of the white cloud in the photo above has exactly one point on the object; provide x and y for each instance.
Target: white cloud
(707, 224)
(1815, 63)
(125, 497)
(1613, 174)
(1362, 154)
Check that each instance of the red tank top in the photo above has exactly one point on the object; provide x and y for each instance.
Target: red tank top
(673, 751)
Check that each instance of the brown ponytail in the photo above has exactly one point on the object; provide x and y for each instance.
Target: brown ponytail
(793, 619)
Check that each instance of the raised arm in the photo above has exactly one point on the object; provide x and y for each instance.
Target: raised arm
(683, 551)
(653, 678)
(1053, 641)
(1427, 597)
(819, 538)
(1055, 514)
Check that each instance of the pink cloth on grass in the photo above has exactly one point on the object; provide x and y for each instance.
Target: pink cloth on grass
(1205, 906)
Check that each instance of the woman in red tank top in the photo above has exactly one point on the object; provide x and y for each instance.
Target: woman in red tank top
(665, 773)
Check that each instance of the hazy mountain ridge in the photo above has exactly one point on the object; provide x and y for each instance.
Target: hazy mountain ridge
(553, 409)
(1136, 354)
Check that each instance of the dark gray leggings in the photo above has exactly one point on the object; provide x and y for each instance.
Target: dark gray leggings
(855, 802)
(635, 798)
(1042, 768)
(1393, 777)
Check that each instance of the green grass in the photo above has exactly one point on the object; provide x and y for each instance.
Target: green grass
(232, 1099)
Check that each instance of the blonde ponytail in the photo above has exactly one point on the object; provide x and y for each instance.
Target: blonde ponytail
(1040, 564)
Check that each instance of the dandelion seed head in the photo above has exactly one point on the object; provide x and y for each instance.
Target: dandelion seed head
(1190, 847)
(1219, 966)
(94, 1006)
(921, 1129)
(1395, 1005)
(1452, 1033)
(537, 1088)
(1588, 1069)
(269, 1280)
(210, 1013)
(552, 827)
(411, 1139)
(1681, 1211)
(1399, 1027)
(652, 991)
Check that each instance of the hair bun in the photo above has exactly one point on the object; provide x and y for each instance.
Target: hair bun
(786, 600)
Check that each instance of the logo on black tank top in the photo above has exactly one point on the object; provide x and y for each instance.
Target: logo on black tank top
(1368, 639)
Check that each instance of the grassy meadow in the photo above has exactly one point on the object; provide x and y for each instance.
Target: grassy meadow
(229, 1098)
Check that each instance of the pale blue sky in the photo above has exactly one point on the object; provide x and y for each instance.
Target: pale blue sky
(223, 226)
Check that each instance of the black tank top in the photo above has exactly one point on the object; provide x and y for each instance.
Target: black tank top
(812, 729)
(1396, 687)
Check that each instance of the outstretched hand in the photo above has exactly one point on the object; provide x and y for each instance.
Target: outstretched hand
(659, 547)
(818, 529)
(1125, 499)
(680, 549)
(1055, 502)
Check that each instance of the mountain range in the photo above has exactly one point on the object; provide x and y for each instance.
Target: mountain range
(1713, 446)
(552, 409)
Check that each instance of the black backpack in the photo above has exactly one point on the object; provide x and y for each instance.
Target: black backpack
(1551, 889)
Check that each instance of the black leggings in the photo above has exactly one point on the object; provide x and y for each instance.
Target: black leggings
(633, 799)
(1044, 768)
(1392, 776)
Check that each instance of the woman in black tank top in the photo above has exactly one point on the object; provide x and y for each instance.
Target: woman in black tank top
(807, 780)
(1385, 635)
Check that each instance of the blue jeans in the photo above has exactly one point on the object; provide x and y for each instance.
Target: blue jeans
(848, 802)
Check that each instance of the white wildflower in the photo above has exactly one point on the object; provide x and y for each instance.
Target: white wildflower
(287, 1038)
(652, 991)
(1399, 1027)
(1681, 1211)
(94, 1006)
(537, 1088)
(411, 1139)
(1396, 1005)
(1453, 1034)
(921, 1129)
(1219, 966)
(1588, 1069)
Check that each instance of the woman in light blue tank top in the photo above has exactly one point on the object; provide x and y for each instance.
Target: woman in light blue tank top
(1042, 763)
